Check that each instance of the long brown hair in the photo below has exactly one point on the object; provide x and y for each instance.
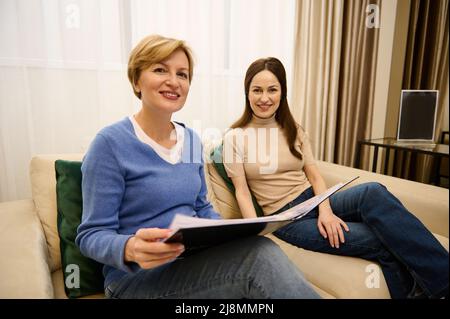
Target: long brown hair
(283, 115)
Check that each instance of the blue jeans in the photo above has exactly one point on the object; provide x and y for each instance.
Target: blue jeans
(382, 230)
(254, 267)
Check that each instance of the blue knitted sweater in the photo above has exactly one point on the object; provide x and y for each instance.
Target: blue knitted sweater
(127, 186)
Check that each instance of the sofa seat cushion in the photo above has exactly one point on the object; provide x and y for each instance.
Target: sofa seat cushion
(23, 262)
(340, 276)
(58, 284)
(59, 293)
(322, 293)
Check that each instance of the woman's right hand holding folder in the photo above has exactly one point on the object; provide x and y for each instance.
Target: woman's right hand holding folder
(147, 249)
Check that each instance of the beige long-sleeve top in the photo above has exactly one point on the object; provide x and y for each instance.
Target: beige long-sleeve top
(260, 152)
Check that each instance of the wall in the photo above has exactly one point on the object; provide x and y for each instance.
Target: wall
(446, 113)
(397, 66)
(391, 57)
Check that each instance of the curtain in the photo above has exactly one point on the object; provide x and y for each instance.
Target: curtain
(61, 79)
(63, 68)
(316, 72)
(426, 68)
(334, 75)
(357, 81)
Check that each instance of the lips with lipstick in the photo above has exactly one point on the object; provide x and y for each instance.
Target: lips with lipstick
(264, 107)
(170, 95)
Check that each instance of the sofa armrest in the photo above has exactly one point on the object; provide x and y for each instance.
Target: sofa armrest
(24, 271)
(427, 202)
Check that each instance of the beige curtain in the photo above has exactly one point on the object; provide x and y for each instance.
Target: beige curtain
(357, 81)
(426, 67)
(334, 75)
(316, 72)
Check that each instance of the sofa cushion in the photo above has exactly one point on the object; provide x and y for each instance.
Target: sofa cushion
(217, 160)
(43, 188)
(339, 276)
(23, 262)
(69, 205)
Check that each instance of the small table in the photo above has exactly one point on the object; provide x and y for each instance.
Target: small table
(438, 151)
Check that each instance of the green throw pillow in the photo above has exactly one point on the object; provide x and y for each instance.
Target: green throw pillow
(217, 160)
(82, 276)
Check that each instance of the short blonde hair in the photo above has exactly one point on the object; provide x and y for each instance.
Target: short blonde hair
(154, 49)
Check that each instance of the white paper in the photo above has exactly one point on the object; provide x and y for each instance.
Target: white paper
(298, 211)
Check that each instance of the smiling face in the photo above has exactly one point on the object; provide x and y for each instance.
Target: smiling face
(264, 94)
(164, 86)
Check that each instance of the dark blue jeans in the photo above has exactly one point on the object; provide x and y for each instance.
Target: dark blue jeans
(251, 268)
(382, 230)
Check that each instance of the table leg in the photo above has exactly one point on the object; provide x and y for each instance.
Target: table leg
(375, 159)
(394, 169)
(404, 171)
(358, 155)
(386, 161)
(435, 179)
(413, 167)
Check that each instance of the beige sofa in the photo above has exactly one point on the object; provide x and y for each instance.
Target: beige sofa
(30, 266)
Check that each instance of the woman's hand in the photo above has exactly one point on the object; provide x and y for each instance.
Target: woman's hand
(148, 251)
(330, 226)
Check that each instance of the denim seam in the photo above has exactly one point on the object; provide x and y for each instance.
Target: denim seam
(119, 287)
(259, 287)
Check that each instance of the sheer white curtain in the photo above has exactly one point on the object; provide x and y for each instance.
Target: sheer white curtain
(63, 67)
(226, 36)
(61, 79)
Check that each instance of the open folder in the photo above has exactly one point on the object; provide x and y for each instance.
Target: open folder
(197, 233)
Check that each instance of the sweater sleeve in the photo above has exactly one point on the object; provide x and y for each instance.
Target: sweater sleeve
(102, 189)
